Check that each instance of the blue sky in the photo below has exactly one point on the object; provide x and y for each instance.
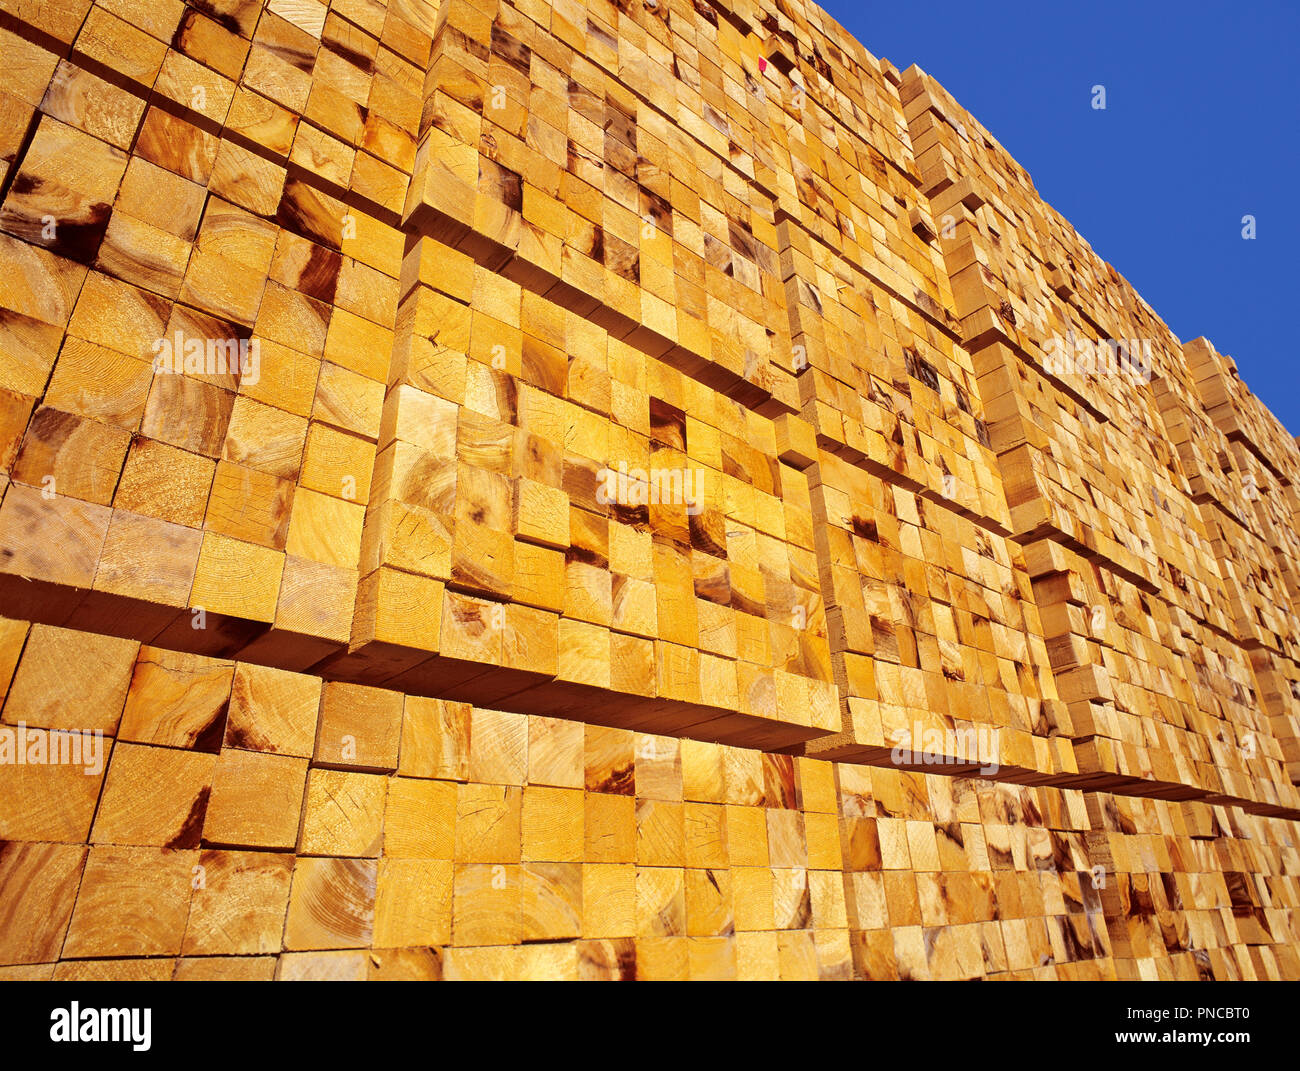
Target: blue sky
(1200, 129)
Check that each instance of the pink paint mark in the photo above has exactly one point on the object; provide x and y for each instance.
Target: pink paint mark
(762, 63)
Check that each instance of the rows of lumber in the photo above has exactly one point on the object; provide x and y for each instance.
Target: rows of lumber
(885, 388)
(244, 498)
(1151, 693)
(612, 377)
(187, 193)
(1246, 471)
(564, 524)
(934, 629)
(881, 377)
(1158, 541)
(606, 159)
(245, 822)
(1164, 539)
(517, 612)
(329, 91)
(916, 646)
(1254, 497)
(678, 674)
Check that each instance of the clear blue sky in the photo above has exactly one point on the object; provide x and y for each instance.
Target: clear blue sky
(1201, 127)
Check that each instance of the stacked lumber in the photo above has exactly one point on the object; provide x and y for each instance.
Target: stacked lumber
(654, 494)
(879, 375)
(595, 158)
(887, 389)
(1195, 891)
(1081, 885)
(564, 524)
(215, 183)
(1277, 682)
(1005, 252)
(1247, 471)
(1262, 456)
(1152, 694)
(260, 823)
(934, 629)
(926, 634)
(1238, 413)
(1131, 573)
(848, 187)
